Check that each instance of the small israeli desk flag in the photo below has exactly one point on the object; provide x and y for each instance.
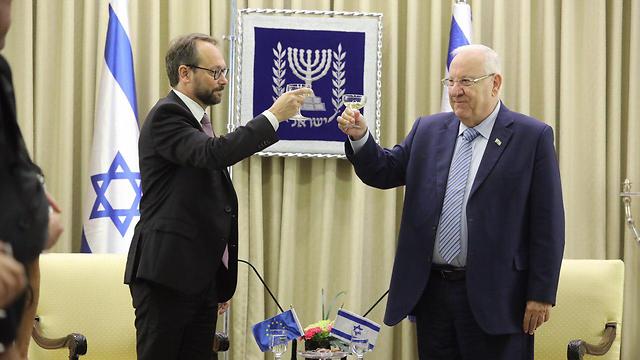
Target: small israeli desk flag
(111, 207)
(348, 323)
(459, 35)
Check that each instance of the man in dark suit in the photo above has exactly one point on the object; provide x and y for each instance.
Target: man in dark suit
(482, 232)
(29, 220)
(183, 256)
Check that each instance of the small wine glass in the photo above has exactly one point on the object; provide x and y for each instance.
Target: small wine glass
(354, 102)
(278, 342)
(291, 87)
(359, 343)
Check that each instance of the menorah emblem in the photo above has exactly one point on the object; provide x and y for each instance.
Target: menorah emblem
(309, 66)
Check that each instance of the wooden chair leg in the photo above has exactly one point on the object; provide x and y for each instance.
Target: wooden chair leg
(578, 348)
(76, 343)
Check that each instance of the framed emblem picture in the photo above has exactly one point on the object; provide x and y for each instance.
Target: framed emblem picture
(334, 53)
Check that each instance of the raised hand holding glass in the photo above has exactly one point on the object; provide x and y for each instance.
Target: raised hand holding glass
(291, 87)
(354, 102)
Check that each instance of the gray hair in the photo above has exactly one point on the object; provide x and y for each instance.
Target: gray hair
(491, 58)
(182, 51)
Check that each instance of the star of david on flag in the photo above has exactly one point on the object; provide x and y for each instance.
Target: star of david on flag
(348, 323)
(112, 202)
(459, 35)
(119, 170)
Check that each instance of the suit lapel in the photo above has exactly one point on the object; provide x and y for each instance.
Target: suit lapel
(175, 98)
(447, 136)
(172, 95)
(497, 143)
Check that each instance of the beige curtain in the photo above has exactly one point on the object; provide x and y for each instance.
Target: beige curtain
(311, 224)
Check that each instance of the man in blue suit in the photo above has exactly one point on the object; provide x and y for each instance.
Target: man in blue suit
(482, 232)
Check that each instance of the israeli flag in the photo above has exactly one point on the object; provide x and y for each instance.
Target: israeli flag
(112, 205)
(348, 323)
(459, 35)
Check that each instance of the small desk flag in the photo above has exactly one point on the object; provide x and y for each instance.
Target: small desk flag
(287, 320)
(347, 323)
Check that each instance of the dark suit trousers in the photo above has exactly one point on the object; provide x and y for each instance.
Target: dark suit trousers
(171, 325)
(447, 329)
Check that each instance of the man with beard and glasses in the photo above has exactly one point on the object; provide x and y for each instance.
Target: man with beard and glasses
(183, 257)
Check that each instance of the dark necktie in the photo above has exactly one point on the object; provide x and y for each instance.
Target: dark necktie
(206, 126)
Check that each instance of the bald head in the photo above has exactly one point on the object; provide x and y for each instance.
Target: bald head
(489, 58)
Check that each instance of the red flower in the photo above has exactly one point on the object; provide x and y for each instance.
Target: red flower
(312, 331)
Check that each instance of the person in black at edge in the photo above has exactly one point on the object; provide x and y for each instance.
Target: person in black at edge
(26, 226)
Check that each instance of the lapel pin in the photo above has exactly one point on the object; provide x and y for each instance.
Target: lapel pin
(498, 142)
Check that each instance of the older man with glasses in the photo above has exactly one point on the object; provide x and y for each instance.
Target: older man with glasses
(482, 233)
(183, 257)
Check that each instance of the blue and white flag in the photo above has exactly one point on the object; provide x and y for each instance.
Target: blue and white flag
(287, 321)
(459, 35)
(348, 323)
(112, 203)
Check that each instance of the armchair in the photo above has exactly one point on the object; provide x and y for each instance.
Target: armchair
(85, 308)
(587, 318)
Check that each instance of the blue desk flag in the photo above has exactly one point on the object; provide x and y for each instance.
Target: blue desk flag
(287, 320)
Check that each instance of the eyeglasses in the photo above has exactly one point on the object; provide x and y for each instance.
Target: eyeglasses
(466, 82)
(215, 73)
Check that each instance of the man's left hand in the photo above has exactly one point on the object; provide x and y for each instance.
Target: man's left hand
(535, 315)
(223, 307)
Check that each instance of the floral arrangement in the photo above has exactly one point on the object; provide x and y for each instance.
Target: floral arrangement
(318, 331)
(318, 335)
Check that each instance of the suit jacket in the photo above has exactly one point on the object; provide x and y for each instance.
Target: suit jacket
(515, 215)
(189, 208)
(24, 217)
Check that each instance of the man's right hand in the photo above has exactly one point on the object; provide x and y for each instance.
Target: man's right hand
(353, 124)
(13, 278)
(288, 103)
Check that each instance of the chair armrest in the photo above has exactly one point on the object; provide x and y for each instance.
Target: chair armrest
(578, 348)
(76, 343)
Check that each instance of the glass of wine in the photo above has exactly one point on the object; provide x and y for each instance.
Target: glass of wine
(278, 342)
(291, 87)
(359, 343)
(354, 102)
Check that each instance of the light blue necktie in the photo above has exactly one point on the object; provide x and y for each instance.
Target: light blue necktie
(449, 238)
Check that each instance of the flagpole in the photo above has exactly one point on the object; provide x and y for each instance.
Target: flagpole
(232, 49)
(374, 305)
(232, 66)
